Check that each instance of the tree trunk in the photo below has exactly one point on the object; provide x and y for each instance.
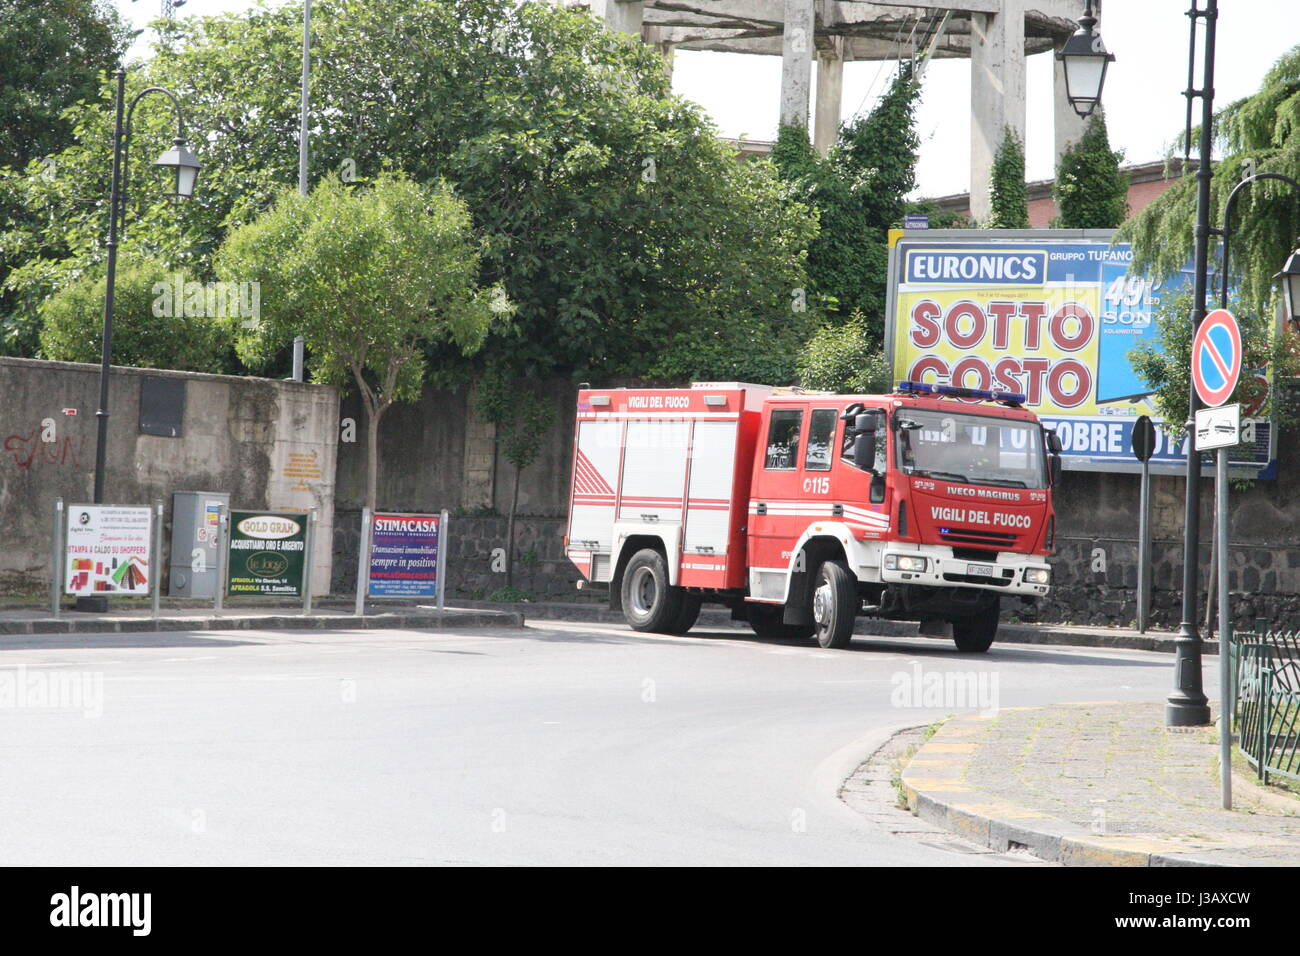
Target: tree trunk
(372, 455)
(510, 532)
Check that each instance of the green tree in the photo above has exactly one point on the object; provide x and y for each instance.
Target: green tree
(150, 328)
(53, 56)
(1259, 133)
(845, 359)
(858, 190)
(613, 216)
(1166, 364)
(1091, 190)
(368, 277)
(522, 417)
(1009, 208)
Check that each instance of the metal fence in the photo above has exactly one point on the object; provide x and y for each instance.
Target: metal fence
(1266, 701)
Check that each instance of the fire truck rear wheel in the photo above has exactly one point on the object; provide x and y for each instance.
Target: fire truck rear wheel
(975, 634)
(687, 616)
(834, 605)
(649, 602)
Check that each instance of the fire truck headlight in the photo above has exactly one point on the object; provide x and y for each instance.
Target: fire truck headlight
(905, 562)
(1038, 575)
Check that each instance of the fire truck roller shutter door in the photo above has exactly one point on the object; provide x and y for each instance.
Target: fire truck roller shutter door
(595, 473)
(713, 459)
(654, 471)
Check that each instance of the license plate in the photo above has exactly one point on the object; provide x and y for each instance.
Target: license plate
(981, 570)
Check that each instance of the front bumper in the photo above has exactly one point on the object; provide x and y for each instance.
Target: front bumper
(1018, 574)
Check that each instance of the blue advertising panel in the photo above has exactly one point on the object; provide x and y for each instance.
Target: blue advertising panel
(1052, 314)
(404, 555)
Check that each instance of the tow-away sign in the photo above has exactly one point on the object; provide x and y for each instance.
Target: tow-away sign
(1218, 427)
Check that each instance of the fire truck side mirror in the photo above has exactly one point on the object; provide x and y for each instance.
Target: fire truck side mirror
(1053, 441)
(1056, 468)
(864, 442)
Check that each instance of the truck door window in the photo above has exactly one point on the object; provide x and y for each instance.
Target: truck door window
(821, 436)
(783, 439)
(882, 450)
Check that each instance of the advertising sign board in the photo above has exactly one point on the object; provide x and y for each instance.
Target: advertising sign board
(404, 555)
(1053, 314)
(266, 553)
(107, 550)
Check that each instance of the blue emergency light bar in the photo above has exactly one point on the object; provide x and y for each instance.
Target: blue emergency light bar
(957, 391)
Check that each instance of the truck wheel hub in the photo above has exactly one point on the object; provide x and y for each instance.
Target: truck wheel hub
(822, 604)
(643, 590)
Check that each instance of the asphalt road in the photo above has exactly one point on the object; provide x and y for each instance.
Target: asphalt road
(555, 744)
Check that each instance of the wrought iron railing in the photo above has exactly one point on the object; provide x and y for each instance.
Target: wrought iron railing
(1266, 701)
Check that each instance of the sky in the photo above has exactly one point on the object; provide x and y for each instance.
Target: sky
(1143, 99)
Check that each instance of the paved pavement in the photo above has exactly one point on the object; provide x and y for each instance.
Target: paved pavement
(1098, 784)
(131, 620)
(553, 743)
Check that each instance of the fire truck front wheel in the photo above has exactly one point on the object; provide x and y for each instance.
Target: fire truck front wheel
(834, 604)
(649, 602)
(975, 634)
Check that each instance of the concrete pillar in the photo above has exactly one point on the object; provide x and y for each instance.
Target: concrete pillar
(997, 93)
(1068, 124)
(624, 16)
(796, 62)
(654, 36)
(830, 93)
(478, 469)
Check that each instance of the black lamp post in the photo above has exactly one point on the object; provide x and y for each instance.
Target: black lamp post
(186, 170)
(1085, 59)
(1290, 279)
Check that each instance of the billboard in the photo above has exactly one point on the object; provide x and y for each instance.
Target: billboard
(266, 553)
(107, 550)
(1053, 314)
(404, 555)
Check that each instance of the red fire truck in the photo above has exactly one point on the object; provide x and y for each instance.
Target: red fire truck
(802, 510)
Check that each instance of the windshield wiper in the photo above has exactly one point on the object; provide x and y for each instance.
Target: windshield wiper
(1007, 482)
(947, 475)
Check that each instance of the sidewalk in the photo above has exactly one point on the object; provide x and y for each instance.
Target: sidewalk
(132, 620)
(1097, 784)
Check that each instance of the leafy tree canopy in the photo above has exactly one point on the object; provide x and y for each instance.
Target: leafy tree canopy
(153, 326)
(53, 56)
(615, 219)
(1091, 190)
(369, 277)
(845, 359)
(859, 191)
(1260, 133)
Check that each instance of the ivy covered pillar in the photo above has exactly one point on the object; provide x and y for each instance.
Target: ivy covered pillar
(997, 54)
(830, 93)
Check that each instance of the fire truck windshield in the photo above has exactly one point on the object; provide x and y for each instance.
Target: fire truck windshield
(971, 449)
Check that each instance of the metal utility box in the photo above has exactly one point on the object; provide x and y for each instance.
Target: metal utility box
(196, 521)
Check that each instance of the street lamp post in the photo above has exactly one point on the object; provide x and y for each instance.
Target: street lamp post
(1290, 274)
(186, 170)
(1188, 706)
(1085, 59)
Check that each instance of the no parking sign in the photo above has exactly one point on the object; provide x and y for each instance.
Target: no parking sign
(1216, 357)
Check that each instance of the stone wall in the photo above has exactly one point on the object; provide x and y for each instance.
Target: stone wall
(270, 444)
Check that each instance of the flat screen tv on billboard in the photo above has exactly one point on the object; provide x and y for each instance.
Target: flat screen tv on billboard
(1052, 314)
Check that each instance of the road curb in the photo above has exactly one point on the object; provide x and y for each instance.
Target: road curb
(316, 622)
(934, 782)
(1008, 633)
